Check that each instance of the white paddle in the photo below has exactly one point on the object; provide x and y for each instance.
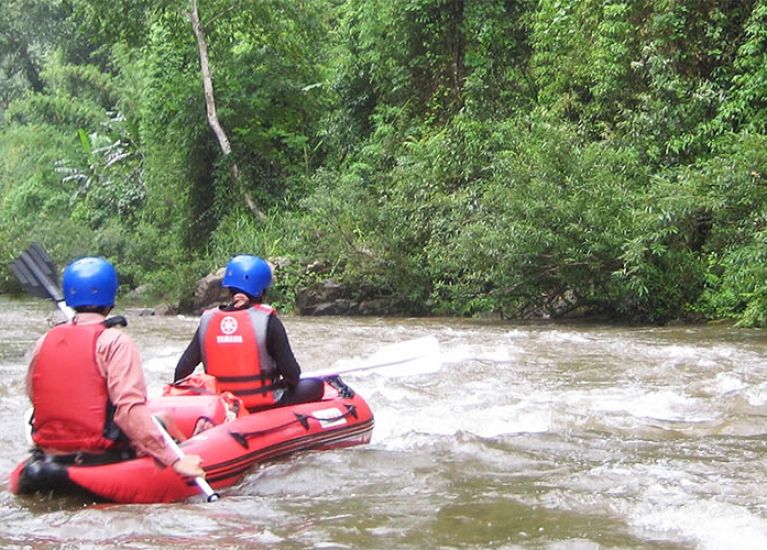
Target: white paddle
(203, 485)
(418, 356)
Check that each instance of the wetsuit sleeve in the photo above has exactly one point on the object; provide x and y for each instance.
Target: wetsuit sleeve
(278, 347)
(189, 360)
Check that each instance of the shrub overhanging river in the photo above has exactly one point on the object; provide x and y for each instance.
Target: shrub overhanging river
(535, 435)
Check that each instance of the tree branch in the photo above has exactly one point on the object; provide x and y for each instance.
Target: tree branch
(210, 104)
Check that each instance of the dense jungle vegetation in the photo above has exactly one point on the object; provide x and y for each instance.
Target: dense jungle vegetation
(457, 157)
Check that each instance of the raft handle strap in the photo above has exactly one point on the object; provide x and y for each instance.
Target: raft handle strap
(303, 419)
(242, 438)
(351, 410)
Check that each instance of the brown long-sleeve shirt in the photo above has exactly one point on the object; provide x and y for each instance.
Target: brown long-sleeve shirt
(119, 362)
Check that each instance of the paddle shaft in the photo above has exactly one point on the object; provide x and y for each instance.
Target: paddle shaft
(325, 373)
(421, 356)
(206, 489)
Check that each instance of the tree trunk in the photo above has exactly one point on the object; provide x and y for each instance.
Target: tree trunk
(459, 49)
(210, 105)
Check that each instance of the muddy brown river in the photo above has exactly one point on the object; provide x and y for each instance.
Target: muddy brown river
(532, 435)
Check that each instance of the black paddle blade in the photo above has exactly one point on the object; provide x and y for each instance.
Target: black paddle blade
(36, 272)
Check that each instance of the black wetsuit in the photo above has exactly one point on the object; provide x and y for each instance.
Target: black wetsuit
(297, 390)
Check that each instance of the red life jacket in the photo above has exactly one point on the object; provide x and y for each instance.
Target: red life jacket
(70, 396)
(234, 351)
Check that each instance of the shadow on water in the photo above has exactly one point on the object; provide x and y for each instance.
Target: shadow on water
(46, 503)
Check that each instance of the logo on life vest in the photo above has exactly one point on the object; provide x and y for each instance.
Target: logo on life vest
(228, 326)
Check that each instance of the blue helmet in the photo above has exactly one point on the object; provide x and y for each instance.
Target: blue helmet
(250, 274)
(89, 282)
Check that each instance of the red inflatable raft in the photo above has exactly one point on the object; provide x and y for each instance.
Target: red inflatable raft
(229, 442)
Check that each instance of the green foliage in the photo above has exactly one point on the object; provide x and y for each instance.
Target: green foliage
(745, 107)
(28, 29)
(562, 36)
(662, 270)
(33, 201)
(543, 232)
(497, 56)
(269, 78)
(519, 158)
(339, 229)
(735, 284)
(733, 185)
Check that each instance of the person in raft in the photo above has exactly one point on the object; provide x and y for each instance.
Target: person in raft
(245, 346)
(86, 382)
